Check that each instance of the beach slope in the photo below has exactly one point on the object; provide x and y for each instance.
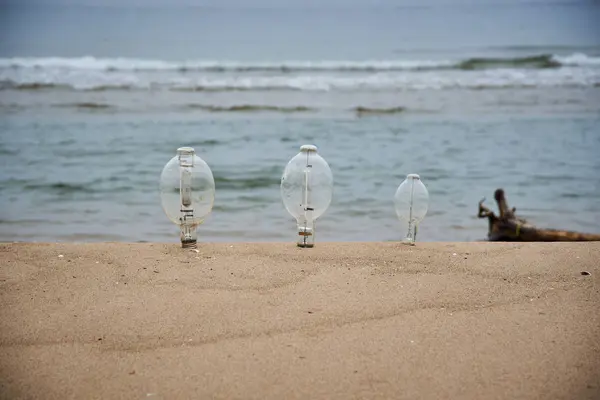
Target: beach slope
(272, 321)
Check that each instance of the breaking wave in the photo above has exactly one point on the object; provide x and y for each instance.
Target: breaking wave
(513, 80)
(541, 61)
(91, 74)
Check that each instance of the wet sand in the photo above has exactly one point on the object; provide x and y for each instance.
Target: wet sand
(272, 321)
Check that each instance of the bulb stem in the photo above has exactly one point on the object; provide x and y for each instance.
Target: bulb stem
(306, 225)
(411, 235)
(189, 236)
(412, 227)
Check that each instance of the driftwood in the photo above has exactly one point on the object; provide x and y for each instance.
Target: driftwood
(507, 227)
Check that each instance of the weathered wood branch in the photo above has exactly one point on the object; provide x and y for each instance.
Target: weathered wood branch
(507, 227)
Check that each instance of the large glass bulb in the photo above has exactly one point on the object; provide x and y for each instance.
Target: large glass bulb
(411, 202)
(187, 192)
(306, 190)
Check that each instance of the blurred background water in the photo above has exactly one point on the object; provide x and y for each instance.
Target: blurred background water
(96, 96)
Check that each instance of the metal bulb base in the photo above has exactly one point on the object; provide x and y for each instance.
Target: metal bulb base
(306, 236)
(189, 244)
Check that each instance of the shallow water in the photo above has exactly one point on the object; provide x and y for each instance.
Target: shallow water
(96, 175)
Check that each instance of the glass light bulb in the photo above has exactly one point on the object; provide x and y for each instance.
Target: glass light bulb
(187, 192)
(306, 190)
(411, 202)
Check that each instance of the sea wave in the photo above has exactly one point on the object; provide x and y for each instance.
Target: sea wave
(484, 80)
(60, 188)
(360, 111)
(63, 189)
(576, 70)
(535, 61)
(248, 108)
(40, 83)
(365, 111)
(259, 179)
(87, 106)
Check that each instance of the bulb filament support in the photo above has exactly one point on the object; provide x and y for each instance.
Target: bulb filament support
(412, 229)
(306, 226)
(188, 228)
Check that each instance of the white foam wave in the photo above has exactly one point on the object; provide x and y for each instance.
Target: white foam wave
(85, 63)
(126, 64)
(578, 59)
(90, 79)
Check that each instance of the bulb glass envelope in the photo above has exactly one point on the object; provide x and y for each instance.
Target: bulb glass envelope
(307, 190)
(411, 202)
(187, 190)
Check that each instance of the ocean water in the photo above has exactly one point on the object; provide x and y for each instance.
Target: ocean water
(95, 99)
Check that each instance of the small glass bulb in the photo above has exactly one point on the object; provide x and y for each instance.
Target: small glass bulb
(306, 191)
(411, 202)
(187, 191)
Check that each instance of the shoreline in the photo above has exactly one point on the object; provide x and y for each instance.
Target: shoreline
(271, 320)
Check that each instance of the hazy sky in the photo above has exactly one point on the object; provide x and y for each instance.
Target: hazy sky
(175, 33)
(281, 3)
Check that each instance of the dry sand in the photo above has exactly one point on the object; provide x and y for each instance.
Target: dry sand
(272, 321)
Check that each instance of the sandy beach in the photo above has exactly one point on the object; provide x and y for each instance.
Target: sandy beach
(272, 321)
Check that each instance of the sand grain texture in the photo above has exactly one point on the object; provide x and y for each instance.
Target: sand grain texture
(271, 321)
